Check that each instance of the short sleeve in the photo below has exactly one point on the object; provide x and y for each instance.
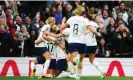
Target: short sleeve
(45, 28)
(65, 31)
(86, 22)
(69, 21)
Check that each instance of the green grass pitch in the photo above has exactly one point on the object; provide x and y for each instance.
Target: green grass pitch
(82, 78)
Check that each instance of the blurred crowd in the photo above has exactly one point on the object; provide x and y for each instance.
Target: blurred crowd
(20, 23)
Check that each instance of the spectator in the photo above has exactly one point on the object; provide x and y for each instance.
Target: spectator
(120, 21)
(37, 18)
(68, 12)
(103, 49)
(26, 38)
(99, 13)
(123, 40)
(106, 7)
(24, 32)
(111, 36)
(106, 18)
(53, 11)
(18, 23)
(2, 14)
(41, 24)
(45, 14)
(31, 44)
(101, 27)
(10, 23)
(126, 14)
(5, 42)
(18, 46)
(28, 23)
(58, 16)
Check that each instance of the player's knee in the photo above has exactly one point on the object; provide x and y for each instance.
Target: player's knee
(91, 61)
(34, 61)
(46, 55)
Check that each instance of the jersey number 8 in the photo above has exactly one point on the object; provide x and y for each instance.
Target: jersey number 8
(75, 29)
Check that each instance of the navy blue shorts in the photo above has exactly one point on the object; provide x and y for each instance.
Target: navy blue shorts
(41, 59)
(41, 50)
(90, 49)
(76, 47)
(61, 65)
(52, 64)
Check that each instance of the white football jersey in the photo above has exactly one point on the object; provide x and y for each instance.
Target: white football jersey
(78, 26)
(51, 48)
(43, 29)
(91, 37)
(66, 32)
(61, 54)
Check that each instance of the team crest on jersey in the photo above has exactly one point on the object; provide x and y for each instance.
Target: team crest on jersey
(47, 29)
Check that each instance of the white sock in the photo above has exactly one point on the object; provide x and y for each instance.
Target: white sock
(50, 76)
(70, 67)
(98, 66)
(79, 72)
(32, 66)
(46, 66)
(63, 74)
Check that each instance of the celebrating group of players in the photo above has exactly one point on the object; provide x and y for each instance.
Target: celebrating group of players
(80, 33)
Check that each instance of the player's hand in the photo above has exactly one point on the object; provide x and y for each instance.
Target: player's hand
(99, 34)
(52, 42)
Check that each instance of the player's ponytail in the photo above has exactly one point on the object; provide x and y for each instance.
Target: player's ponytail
(49, 20)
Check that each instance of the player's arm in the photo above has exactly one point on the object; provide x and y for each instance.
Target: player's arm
(38, 41)
(63, 26)
(44, 36)
(93, 31)
(62, 46)
(54, 35)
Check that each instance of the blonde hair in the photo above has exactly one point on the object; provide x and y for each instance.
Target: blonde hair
(49, 20)
(79, 10)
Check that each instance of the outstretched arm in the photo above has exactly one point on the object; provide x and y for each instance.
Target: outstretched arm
(54, 35)
(93, 31)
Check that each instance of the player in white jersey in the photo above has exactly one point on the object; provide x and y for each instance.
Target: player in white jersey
(78, 26)
(64, 33)
(41, 48)
(91, 46)
(61, 57)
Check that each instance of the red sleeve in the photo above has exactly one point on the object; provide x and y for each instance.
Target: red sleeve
(11, 26)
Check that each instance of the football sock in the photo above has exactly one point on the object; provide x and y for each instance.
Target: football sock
(46, 66)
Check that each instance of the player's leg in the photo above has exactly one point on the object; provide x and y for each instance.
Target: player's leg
(69, 63)
(73, 50)
(91, 51)
(38, 60)
(78, 68)
(47, 57)
(52, 69)
(81, 49)
(61, 67)
(80, 65)
(33, 67)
